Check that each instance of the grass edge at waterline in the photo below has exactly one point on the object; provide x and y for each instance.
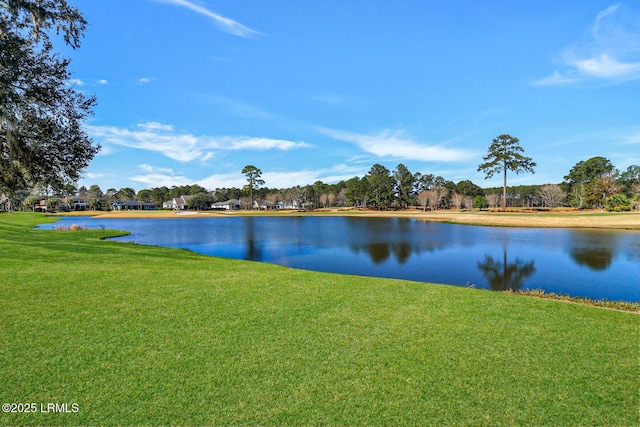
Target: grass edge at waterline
(633, 307)
(148, 335)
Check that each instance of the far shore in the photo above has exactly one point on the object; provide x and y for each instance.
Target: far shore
(551, 219)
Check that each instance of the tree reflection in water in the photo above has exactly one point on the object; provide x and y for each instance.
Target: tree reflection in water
(503, 276)
(379, 252)
(382, 238)
(402, 251)
(253, 248)
(597, 259)
(594, 250)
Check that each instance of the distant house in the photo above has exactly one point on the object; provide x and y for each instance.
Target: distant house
(41, 206)
(133, 205)
(266, 205)
(74, 204)
(269, 205)
(178, 203)
(126, 205)
(229, 205)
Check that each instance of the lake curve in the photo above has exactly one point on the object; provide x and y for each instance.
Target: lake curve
(598, 264)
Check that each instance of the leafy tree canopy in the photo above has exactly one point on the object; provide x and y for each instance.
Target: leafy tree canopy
(404, 185)
(587, 171)
(380, 186)
(630, 179)
(468, 188)
(41, 138)
(201, 202)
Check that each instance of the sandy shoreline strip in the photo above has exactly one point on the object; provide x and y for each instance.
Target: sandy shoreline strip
(591, 219)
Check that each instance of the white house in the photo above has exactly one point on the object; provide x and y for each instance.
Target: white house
(178, 203)
(74, 204)
(229, 205)
(133, 205)
(268, 205)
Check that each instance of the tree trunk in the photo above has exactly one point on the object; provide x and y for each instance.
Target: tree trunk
(504, 190)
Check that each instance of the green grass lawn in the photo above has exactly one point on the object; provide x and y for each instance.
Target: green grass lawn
(139, 335)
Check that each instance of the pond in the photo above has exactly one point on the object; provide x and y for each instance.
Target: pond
(598, 264)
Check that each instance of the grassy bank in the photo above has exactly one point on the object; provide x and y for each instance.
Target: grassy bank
(138, 335)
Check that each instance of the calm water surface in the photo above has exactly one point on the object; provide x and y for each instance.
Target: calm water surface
(590, 263)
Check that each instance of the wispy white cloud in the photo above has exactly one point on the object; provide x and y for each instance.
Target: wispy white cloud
(155, 126)
(153, 169)
(157, 177)
(76, 82)
(230, 180)
(144, 80)
(91, 175)
(184, 147)
(632, 138)
(262, 144)
(103, 82)
(557, 79)
(225, 24)
(606, 67)
(596, 29)
(286, 178)
(611, 51)
(331, 174)
(396, 144)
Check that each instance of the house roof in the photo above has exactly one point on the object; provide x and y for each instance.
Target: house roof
(74, 199)
(182, 200)
(228, 202)
(126, 203)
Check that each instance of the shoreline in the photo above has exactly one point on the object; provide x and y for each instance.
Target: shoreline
(498, 219)
(572, 219)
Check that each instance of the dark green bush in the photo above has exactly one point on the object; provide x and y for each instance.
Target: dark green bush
(480, 202)
(617, 203)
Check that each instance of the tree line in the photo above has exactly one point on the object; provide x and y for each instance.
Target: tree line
(593, 183)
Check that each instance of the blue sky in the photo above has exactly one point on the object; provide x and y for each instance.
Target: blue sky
(191, 91)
